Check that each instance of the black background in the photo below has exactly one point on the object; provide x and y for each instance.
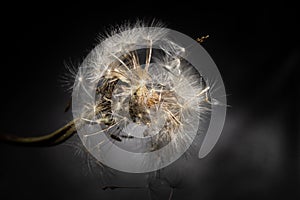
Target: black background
(257, 53)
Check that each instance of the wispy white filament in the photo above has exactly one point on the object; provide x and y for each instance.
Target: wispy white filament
(139, 101)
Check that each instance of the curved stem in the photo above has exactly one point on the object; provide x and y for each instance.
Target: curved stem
(54, 138)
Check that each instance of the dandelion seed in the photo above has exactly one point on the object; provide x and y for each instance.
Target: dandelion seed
(147, 92)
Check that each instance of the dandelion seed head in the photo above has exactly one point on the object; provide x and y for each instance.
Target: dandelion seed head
(138, 99)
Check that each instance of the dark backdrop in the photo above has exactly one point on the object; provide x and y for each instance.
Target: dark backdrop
(256, 50)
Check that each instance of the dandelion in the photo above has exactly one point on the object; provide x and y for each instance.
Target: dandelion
(140, 98)
(150, 100)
